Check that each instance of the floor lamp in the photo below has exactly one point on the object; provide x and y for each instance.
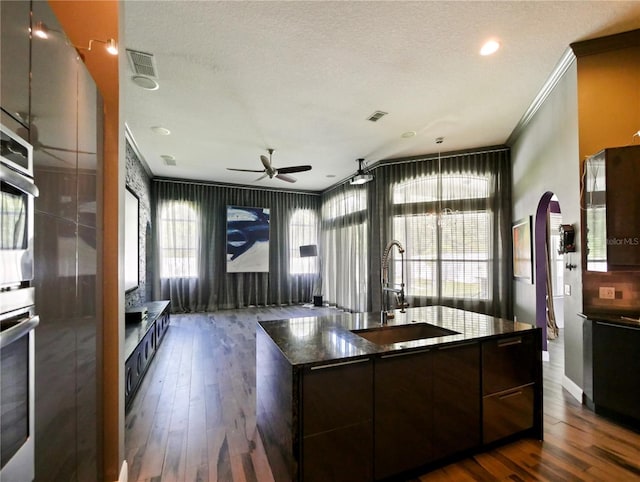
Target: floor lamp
(308, 251)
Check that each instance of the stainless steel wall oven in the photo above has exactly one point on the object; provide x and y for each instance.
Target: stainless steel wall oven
(17, 308)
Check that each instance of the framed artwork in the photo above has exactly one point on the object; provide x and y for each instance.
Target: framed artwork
(522, 250)
(247, 240)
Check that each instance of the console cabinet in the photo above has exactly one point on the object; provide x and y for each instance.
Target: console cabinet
(611, 370)
(141, 343)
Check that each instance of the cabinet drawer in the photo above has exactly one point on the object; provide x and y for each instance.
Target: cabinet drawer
(337, 395)
(507, 413)
(508, 363)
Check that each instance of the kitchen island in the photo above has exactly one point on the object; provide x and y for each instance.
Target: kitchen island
(343, 397)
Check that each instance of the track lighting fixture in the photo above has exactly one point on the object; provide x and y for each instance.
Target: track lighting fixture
(41, 30)
(112, 45)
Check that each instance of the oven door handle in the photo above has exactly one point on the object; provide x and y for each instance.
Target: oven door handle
(18, 181)
(20, 329)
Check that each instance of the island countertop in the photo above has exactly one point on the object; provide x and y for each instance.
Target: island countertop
(323, 339)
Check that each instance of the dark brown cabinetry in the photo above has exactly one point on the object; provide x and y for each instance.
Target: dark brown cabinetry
(141, 342)
(357, 411)
(456, 398)
(427, 406)
(509, 375)
(612, 209)
(336, 421)
(611, 370)
(403, 435)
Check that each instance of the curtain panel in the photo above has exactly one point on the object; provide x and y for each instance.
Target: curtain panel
(191, 218)
(345, 248)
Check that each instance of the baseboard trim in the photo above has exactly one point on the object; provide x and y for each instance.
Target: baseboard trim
(124, 472)
(571, 387)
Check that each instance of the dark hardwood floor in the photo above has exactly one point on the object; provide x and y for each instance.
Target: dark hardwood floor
(193, 418)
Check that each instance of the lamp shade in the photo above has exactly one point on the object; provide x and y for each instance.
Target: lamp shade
(308, 250)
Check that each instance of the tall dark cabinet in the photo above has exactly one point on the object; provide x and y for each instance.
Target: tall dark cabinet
(612, 202)
(49, 98)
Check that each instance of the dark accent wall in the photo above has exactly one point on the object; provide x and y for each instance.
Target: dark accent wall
(139, 181)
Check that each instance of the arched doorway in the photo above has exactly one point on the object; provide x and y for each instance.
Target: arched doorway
(549, 268)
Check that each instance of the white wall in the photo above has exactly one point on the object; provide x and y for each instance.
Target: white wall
(545, 158)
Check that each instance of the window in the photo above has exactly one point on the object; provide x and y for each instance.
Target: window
(447, 243)
(303, 230)
(179, 239)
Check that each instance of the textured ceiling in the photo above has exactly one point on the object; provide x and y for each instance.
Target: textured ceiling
(239, 77)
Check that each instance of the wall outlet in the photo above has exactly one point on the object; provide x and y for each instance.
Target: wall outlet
(607, 293)
(567, 290)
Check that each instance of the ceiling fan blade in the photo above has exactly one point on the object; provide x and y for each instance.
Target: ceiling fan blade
(261, 177)
(292, 169)
(265, 162)
(284, 177)
(244, 170)
(62, 149)
(58, 158)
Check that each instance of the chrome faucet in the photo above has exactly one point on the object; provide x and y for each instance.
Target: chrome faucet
(385, 285)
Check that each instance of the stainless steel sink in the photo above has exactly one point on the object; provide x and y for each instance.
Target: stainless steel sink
(386, 335)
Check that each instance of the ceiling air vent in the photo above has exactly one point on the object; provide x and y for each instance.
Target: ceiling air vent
(377, 115)
(142, 63)
(168, 159)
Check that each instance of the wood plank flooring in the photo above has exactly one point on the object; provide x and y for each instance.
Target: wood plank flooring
(193, 418)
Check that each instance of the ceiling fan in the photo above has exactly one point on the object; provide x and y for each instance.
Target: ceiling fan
(269, 170)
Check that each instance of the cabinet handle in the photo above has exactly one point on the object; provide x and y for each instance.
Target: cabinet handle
(457, 345)
(340, 364)
(509, 395)
(509, 342)
(405, 353)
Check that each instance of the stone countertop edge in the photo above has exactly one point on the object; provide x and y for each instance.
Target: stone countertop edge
(629, 319)
(319, 340)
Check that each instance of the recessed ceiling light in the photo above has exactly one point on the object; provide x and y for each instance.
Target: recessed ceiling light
(331, 175)
(490, 47)
(161, 130)
(408, 134)
(145, 82)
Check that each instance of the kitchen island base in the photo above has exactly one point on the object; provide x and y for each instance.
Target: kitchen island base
(334, 406)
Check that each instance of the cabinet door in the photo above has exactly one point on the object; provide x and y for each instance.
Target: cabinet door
(14, 56)
(616, 365)
(54, 119)
(623, 207)
(337, 422)
(403, 412)
(456, 399)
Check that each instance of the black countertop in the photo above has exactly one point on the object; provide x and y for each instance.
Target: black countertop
(322, 339)
(627, 319)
